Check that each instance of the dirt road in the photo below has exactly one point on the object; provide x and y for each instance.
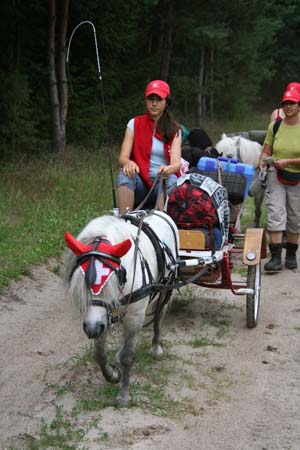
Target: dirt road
(220, 386)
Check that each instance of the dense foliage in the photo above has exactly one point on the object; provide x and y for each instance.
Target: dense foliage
(221, 57)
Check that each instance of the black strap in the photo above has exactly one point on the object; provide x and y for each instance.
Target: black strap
(159, 287)
(153, 238)
(276, 126)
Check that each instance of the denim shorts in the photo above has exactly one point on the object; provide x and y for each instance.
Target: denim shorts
(140, 188)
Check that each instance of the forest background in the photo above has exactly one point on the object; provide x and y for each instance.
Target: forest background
(221, 58)
(61, 126)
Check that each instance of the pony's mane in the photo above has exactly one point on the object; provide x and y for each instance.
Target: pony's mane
(104, 226)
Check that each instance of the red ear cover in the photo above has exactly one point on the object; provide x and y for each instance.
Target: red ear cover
(78, 247)
(120, 249)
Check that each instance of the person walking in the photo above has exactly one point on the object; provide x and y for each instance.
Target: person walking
(151, 146)
(281, 155)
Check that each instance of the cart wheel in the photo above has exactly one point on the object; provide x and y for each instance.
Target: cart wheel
(252, 306)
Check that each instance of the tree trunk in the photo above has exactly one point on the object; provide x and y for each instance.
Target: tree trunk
(167, 44)
(211, 82)
(58, 86)
(200, 97)
(63, 85)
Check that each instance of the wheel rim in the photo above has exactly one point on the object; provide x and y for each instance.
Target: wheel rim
(257, 288)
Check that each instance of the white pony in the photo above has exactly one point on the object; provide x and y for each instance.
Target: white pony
(238, 147)
(248, 152)
(118, 271)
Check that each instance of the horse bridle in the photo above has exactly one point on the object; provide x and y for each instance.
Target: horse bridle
(90, 274)
(104, 258)
(109, 311)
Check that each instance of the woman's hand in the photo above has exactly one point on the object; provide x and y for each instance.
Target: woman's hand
(130, 169)
(281, 163)
(262, 164)
(267, 151)
(165, 171)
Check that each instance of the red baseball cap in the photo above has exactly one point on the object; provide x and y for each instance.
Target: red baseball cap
(158, 87)
(291, 95)
(293, 85)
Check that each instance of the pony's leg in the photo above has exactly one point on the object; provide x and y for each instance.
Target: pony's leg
(160, 312)
(110, 372)
(126, 357)
(133, 323)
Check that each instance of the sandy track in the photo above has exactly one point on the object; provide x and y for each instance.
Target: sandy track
(243, 394)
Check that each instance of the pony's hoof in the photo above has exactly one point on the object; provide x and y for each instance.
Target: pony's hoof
(123, 400)
(116, 374)
(113, 374)
(157, 350)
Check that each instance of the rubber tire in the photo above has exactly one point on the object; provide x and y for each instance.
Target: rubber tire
(253, 300)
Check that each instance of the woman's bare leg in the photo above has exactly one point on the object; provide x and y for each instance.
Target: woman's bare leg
(125, 199)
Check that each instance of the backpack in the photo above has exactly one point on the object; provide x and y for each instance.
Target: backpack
(196, 145)
(199, 138)
(189, 204)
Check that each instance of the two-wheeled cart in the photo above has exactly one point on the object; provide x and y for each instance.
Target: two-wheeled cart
(215, 268)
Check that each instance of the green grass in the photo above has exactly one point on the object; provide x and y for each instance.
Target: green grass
(248, 215)
(204, 342)
(59, 433)
(221, 326)
(215, 128)
(42, 199)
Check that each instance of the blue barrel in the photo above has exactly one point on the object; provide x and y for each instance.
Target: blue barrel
(228, 165)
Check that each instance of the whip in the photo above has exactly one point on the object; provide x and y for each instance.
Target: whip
(101, 93)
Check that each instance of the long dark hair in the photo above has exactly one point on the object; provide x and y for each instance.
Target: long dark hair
(167, 125)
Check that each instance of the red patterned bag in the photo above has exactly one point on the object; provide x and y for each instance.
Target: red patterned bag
(189, 204)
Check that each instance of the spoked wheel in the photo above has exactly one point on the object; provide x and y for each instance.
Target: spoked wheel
(252, 305)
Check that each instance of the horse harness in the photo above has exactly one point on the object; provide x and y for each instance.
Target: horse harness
(151, 288)
(148, 288)
(161, 250)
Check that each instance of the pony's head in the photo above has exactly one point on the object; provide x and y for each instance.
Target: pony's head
(241, 148)
(97, 272)
(227, 146)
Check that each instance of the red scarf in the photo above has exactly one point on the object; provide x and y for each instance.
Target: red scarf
(142, 146)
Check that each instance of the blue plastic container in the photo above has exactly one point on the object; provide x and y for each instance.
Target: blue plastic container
(228, 165)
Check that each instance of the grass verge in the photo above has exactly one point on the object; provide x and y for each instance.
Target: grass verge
(45, 199)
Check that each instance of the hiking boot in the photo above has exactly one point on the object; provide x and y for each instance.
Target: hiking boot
(290, 257)
(274, 265)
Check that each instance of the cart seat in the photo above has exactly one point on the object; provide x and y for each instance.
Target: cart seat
(203, 238)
